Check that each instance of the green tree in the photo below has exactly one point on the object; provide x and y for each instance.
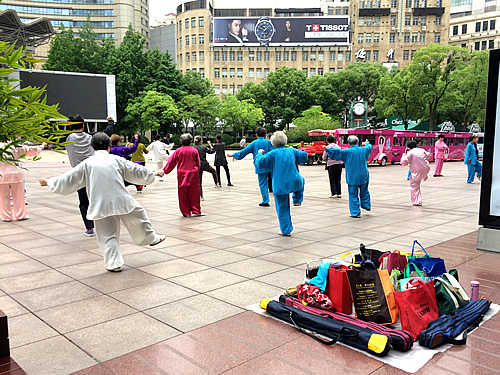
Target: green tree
(150, 110)
(194, 84)
(312, 118)
(359, 80)
(431, 73)
(324, 91)
(239, 115)
(287, 95)
(395, 96)
(201, 111)
(24, 114)
(64, 52)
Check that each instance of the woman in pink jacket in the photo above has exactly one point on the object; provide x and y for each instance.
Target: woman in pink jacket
(440, 151)
(12, 184)
(417, 159)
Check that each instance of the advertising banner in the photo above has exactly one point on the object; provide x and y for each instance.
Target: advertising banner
(276, 31)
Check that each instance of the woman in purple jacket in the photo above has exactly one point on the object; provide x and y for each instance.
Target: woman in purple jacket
(123, 151)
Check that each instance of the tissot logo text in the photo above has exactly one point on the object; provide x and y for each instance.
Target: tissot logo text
(316, 27)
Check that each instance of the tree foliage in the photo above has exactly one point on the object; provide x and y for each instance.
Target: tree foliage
(201, 111)
(312, 118)
(24, 114)
(239, 115)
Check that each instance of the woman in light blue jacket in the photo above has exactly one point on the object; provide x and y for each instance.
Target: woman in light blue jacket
(474, 166)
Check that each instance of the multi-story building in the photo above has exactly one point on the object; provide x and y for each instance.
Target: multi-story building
(109, 18)
(328, 36)
(474, 24)
(163, 36)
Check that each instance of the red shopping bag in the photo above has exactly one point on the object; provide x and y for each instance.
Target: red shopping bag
(417, 306)
(337, 287)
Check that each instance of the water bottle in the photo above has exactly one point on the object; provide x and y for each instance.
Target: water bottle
(474, 290)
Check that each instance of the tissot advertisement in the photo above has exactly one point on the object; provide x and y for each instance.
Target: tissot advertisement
(273, 31)
(489, 210)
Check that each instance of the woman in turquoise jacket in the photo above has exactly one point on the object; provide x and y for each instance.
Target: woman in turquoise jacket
(282, 162)
(474, 166)
(259, 144)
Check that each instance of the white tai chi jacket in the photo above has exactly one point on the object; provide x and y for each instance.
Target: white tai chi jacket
(159, 150)
(103, 175)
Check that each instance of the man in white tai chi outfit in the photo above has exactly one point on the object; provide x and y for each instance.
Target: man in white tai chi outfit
(109, 201)
(160, 152)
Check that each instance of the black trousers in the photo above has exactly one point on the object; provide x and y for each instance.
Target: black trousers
(211, 170)
(270, 181)
(334, 174)
(226, 168)
(84, 207)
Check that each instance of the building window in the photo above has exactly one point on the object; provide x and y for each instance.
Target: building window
(216, 73)
(437, 38)
(202, 72)
(412, 54)
(423, 20)
(216, 56)
(361, 4)
(239, 87)
(278, 56)
(376, 21)
(406, 38)
(320, 71)
(313, 56)
(408, 3)
(369, 4)
(360, 40)
(224, 56)
(414, 37)
(186, 23)
(406, 54)
(375, 55)
(455, 30)
(330, 11)
(231, 89)
(340, 56)
(393, 20)
(368, 55)
(201, 39)
(392, 37)
(224, 72)
(478, 27)
(348, 56)
(485, 25)
(285, 56)
(202, 56)
(439, 3)
(377, 4)
(346, 12)
(259, 72)
(415, 20)
(361, 21)
(491, 44)
(240, 72)
(224, 89)
(320, 56)
(422, 37)
(463, 45)
(337, 11)
(332, 55)
(312, 72)
(193, 22)
(193, 39)
(187, 56)
(376, 37)
(305, 56)
(187, 40)
(180, 43)
(464, 29)
(438, 20)
(201, 21)
(231, 56)
(193, 56)
(180, 58)
(217, 89)
(266, 72)
(259, 56)
(368, 37)
(294, 56)
(332, 70)
(251, 73)
(266, 56)
(407, 20)
(483, 44)
(232, 73)
(240, 56)
(476, 46)
(180, 26)
(492, 25)
(251, 56)
(369, 21)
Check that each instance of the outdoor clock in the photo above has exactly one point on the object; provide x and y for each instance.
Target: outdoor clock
(359, 109)
(264, 31)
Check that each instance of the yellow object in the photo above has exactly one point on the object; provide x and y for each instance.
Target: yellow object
(264, 302)
(346, 254)
(377, 343)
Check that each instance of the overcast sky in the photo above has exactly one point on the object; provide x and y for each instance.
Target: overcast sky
(159, 8)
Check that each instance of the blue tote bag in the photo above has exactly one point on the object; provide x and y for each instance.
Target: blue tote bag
(433, 267)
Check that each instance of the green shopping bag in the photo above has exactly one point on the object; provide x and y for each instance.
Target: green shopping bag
(450, 295)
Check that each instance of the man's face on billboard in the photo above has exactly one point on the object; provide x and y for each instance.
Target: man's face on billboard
(235, 27)
(288, 24)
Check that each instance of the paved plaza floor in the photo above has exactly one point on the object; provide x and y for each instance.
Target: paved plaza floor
(179, 307)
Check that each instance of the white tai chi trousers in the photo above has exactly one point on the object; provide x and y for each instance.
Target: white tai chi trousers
(108, 234)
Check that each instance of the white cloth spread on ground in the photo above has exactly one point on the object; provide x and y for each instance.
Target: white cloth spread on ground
(410, 361)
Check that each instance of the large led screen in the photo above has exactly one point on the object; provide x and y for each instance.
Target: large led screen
(274, 31)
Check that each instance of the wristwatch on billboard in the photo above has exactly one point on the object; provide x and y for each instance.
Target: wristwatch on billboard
(264, 31)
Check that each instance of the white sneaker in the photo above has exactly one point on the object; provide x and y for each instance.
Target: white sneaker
(159, 238)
